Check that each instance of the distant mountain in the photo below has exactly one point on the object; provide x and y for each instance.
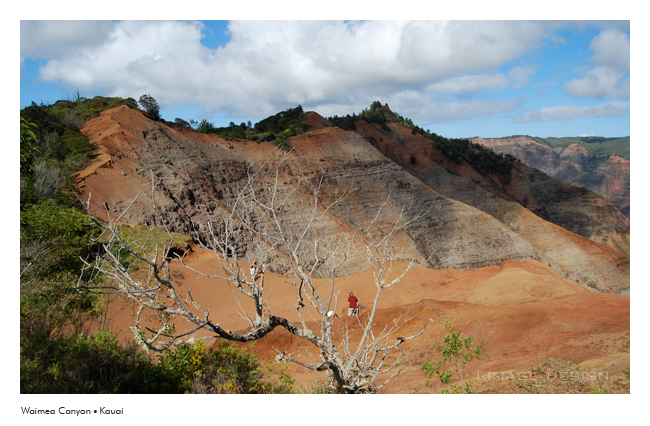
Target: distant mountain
(598, 164)
(482, 208)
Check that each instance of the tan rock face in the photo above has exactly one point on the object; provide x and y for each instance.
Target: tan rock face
(470, 220)
(611, 179)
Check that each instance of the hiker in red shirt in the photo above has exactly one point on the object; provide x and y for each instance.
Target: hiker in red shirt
(353, 306)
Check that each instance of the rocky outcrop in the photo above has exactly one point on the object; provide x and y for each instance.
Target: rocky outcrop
(571, 164)
(530, 205)
(612, 180)
(468, 220)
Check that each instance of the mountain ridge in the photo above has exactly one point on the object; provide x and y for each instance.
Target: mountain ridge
(192, 166)
(604, 170)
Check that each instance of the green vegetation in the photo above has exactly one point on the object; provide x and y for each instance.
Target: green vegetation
(456, 352)
(53, 148)
(227, 369)
(149, 241)
(277, 128)
(99, 364)
(53, 239)
(28, 148)
(58, 352)
(89, 364)
(150, 106)
(458, 151)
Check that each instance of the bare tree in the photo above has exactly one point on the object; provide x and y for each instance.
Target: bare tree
(256, 224)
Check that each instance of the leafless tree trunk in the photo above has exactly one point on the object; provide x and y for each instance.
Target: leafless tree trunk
(255, 218)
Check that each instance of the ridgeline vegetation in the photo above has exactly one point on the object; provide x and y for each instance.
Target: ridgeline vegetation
(458, 151)
(597, 146)
(277, 128)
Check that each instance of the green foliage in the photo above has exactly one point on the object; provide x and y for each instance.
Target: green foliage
(597, 390)
(28, 148)
(147, 241)
(73, 113)
(150, 106)
(56, 149)
(282, 121)
(482, 159)
(180, 123)
(227, 369)
(50, 305)
(456, 352)
(53, 238)
(276, 129)
(79, 363)
(90, 364)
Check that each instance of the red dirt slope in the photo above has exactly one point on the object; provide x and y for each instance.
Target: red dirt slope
(525, 312)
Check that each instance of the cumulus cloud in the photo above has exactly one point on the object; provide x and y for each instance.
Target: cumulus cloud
(54, 39)
(515, 78)
(612, 48)
(133, 56)
(269, 64)
(432, 111)
(334, 67)
(599, 83)
(610, 76)
(469, 84)
(564, 113)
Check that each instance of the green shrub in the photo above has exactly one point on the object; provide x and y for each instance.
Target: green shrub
(91, 364)
(53, 238)
(227, 369)
(456, 352)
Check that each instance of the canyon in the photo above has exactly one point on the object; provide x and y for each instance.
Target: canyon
(538, 268)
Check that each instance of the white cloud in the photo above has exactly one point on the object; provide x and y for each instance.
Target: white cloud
(520, 76)
(140, 56)
(268, 65)
(515, 78)
(430, 111)
(599, 83)
(610, 76)
(54, 39)
(564, 113)
(469, 84)
(612, 48)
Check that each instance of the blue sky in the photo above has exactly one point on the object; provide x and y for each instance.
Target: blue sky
(456, 78)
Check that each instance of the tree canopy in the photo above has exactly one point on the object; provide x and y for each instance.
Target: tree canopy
(150, 106)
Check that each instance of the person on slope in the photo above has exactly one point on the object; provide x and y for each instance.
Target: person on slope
(353, 305)
(254, 266)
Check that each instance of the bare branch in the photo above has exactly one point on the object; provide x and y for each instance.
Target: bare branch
(253, 225)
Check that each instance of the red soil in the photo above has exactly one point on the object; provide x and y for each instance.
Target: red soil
(524, 311)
